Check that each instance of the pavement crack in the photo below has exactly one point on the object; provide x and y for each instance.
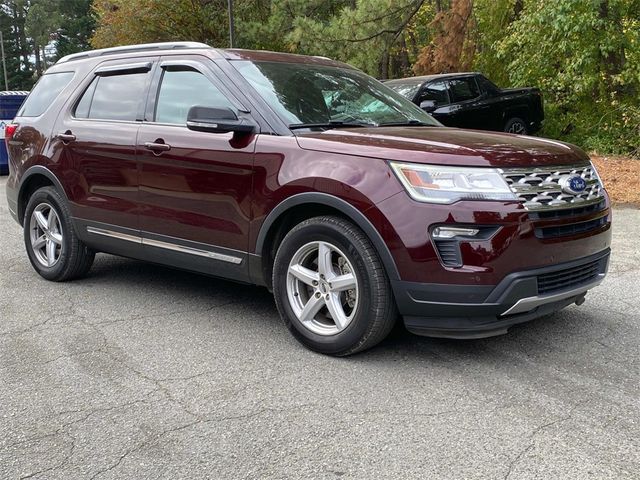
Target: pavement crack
(532, 438)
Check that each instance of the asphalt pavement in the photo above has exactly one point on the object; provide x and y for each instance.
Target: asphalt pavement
(144, 372)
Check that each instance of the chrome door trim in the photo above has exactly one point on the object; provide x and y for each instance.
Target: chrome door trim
(116, 235)
(165, 245)
(192, 251)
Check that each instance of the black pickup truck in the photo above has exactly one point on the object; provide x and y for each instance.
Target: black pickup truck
(470, 100)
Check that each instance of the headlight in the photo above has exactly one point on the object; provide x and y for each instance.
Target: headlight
(441, 184)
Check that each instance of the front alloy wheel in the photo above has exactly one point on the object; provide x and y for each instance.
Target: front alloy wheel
(331, 288)
(321, 288)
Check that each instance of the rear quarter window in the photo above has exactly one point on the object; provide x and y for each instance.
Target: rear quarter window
(44, 93)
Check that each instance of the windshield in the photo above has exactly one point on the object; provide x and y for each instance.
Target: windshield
(321, 96)
(406, 88)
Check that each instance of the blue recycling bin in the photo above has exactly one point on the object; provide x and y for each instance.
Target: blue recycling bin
(10, 103)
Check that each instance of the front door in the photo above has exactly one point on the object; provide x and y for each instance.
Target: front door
(194, 186)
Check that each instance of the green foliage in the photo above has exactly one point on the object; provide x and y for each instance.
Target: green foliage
(76, 27)
(583, 54)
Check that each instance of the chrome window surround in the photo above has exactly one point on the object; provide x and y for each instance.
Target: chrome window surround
(539, 187)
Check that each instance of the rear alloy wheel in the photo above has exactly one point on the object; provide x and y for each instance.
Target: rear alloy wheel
(330, 287)
(54, 249)
(46, 235)
(516, 125)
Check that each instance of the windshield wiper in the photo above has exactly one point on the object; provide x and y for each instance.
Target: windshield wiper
(331, 124)
(407, 123)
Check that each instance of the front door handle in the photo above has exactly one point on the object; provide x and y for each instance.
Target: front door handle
(157, 147)
(66, 137)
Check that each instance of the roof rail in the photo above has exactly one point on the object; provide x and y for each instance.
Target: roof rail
(143, 47)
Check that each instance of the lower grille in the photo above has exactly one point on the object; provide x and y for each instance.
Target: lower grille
(567, 212)
(571, 229)
(569, 278)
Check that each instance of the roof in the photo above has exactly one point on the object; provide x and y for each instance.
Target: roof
(14, 93)
(229, 54)
(426, 78)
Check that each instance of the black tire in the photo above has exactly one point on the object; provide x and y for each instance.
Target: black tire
(375, 312)
(516, 125)
(74, 258)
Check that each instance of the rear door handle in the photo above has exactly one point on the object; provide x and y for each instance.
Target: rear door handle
(157, 147)
(66, 137)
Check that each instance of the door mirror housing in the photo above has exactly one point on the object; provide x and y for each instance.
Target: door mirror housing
(217, 120)
(428, 105)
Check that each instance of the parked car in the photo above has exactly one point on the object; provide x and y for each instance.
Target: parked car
(10, 102)
(306, 176)
(470, 100)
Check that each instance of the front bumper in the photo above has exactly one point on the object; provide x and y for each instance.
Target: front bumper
(477, 311)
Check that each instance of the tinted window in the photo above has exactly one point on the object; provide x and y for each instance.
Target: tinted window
(463, 89)
(114, 97)
(182, 89)
(435, 91)
(487, 86)
(82, 109)
(44, 93)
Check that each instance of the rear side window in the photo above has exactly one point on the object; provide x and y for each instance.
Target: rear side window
(113, 97)
(463, 89)
(182, 89)
(44, 93)
(487, 85)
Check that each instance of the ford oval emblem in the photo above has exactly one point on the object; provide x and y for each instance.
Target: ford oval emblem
(573, 184)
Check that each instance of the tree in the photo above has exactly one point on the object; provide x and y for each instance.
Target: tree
(122, 22)
(76, 27)
(42, 21)
(579, 54)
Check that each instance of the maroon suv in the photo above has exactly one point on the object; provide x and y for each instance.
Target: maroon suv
(308, 177)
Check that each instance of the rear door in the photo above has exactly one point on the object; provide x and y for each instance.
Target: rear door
(98, 140)
(195, 187)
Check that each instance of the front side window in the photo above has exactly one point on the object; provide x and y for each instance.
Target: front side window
(44, 93)
(182, 89)
(436, 92)
(113, 97)
(303, 94)
(463, 89)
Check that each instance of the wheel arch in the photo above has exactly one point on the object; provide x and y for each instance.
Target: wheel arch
(307, 205)
(34, 178)
(515, 111)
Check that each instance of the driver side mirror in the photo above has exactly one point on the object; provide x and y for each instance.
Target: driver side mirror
(428, 105)
(217, 120)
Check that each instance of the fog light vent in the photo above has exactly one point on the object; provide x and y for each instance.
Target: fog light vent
(449, 251)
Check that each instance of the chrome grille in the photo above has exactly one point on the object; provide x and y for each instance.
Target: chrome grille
(539, 188)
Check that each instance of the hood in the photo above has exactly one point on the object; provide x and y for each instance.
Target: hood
(444, 146)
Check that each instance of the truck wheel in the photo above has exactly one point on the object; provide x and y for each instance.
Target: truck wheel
(516, 125)
(331, 289)
(53, 247)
